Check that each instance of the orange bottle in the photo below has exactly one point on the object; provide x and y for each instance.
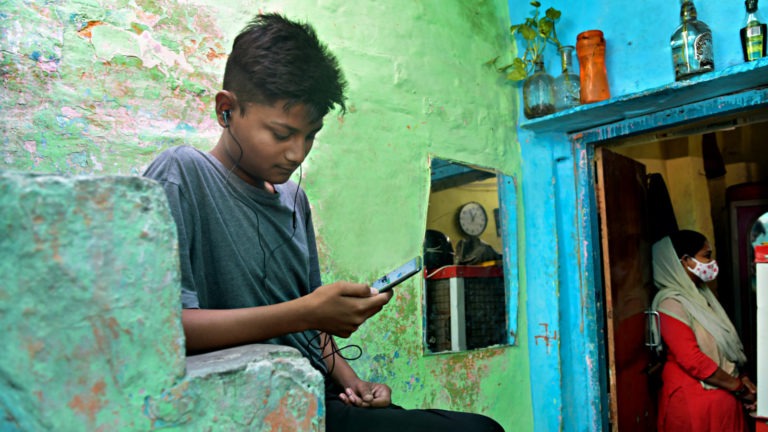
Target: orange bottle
(590, 48)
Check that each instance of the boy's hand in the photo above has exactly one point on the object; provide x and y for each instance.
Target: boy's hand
(341, 307)
(367, 395)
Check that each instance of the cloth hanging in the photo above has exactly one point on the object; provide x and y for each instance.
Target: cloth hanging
(661, 215)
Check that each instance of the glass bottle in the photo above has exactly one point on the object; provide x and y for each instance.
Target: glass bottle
(753, 34)
(538, 95)
(691, 43)
(590, 48)
(567, 88)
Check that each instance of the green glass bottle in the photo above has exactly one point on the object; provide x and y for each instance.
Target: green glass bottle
(567, 88)
(538, 92)
(692, 52)
(753, 34)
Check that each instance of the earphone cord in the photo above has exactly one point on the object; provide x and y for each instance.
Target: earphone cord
(328, 340)
(271, 253)
(293, 233)
(235, 194)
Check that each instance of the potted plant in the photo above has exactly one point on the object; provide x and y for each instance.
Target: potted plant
(538, 87)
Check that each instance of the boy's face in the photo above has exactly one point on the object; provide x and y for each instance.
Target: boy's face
(274, 142)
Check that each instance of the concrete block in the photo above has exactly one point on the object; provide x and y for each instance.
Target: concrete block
(90, 322)
(264, 387)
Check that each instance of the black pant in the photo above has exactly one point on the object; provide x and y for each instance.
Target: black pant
(341, 418)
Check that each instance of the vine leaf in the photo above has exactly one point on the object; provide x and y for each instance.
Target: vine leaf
(535, 32)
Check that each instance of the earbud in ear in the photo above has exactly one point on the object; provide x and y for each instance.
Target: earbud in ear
(225, 115)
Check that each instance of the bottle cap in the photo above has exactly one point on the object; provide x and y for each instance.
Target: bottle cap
(751, 5)
(594, 36)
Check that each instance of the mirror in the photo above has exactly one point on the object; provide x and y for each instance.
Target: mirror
(465, 297)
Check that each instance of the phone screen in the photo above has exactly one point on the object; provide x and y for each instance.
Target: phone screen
(398, 275)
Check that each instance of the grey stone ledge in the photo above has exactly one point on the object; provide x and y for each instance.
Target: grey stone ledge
(239, 358)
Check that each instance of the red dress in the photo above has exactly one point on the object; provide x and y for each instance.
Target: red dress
(684, 405)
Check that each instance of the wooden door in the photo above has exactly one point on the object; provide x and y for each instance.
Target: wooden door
(626, 257)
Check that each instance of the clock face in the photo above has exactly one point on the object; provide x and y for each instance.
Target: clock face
(472, 219)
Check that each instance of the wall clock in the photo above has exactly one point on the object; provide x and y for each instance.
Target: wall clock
(472, 219)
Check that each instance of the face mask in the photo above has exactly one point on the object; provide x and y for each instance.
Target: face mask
(705, 272)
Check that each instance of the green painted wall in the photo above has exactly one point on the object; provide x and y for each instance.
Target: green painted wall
(101, 88)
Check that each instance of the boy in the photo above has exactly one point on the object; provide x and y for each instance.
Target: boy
(249, 262)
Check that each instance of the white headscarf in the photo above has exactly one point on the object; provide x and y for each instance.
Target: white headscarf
(705, 314)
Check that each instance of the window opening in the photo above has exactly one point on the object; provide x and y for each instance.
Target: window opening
(466, 297)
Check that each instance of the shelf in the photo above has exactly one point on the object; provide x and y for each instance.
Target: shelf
(711, 85)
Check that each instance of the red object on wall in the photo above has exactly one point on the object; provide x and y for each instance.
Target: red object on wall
(761, 425)
(463, 271)
(761, 254)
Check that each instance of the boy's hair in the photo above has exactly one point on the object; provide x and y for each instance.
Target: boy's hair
(274, 59)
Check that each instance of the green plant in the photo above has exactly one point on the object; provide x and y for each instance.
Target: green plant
(535, 32)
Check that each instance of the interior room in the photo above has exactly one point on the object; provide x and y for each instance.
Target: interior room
(716, 182)
(713, 178)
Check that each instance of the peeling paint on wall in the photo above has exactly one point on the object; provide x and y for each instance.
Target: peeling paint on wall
(89, 90)
(102, 88)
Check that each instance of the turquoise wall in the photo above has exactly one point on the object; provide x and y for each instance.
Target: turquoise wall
(638, 55)
(557, 193)
(101, 88)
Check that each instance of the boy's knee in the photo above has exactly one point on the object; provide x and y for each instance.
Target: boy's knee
(465, 422)
(487, 424)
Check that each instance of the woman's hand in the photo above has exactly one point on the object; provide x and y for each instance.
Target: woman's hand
(746, 392)
(367, 394)
(749, 397)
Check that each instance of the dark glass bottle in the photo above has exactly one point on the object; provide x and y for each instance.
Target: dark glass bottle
(538, 92)
(691, 43)
(753, 34)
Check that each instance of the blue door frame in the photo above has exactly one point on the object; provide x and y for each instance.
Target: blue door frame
(561, 242)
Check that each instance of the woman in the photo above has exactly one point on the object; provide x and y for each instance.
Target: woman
(702, 389)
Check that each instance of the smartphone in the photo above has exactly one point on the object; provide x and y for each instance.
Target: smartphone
(398, 275)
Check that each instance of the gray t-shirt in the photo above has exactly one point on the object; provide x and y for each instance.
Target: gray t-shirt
(239, 246)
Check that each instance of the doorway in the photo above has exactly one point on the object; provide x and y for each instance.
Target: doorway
(715, 173)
